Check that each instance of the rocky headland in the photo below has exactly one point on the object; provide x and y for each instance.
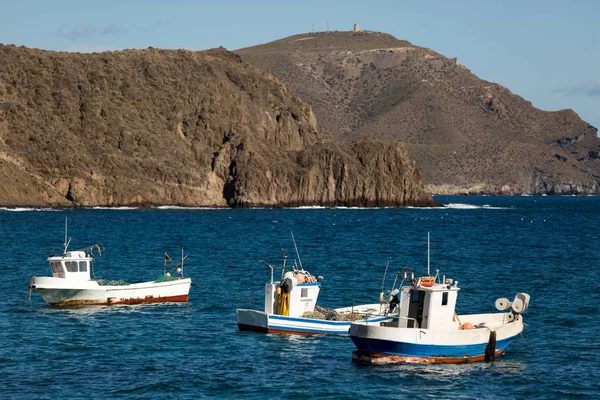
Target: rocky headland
(162, 127)
(467, 135)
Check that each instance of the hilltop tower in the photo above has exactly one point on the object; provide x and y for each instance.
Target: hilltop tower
(356, 28)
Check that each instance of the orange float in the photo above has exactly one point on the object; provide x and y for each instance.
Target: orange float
(427, 281)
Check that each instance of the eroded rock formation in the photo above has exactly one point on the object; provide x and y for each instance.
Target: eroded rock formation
(156, 127)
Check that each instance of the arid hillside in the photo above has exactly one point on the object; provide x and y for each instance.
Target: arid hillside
(467, 135)
(161, 127)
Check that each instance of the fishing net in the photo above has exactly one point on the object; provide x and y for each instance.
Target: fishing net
(165, 278)
(331, 315)
(108, 282)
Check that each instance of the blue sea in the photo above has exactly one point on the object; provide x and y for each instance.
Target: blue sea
(495, 247)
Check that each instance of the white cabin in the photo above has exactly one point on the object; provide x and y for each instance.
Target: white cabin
(428, 307)
(72, 265)
(302, 296)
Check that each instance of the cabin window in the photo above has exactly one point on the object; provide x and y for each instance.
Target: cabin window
(82, 266)
(58, 267)
(53, 266)
(304, 292)
(445, 298)
(71, 266)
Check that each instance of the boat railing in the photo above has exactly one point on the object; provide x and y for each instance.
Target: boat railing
(395, 323)
(415, 322)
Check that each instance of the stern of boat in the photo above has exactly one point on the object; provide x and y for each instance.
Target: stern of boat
(252, 320)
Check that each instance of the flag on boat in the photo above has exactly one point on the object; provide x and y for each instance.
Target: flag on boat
(167, 256)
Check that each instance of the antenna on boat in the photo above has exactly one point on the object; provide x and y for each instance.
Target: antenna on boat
(396, 280)
(428, 253)
(284, 261)
(385, 273)
(297, 253)
(66, 243)
(182, 260)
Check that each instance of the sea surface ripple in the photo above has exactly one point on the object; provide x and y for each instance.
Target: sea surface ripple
(494, 246)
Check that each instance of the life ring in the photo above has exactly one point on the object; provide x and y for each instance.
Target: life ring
(427, 281)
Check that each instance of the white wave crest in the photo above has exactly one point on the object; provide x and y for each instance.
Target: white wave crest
(23, 209)
(190, 208)
(113, 208)
(462, 206)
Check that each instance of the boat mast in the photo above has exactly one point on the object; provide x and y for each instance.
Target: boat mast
(428, 253)
(66, 243)
(284, 261)
(385, 274)
(297, 253)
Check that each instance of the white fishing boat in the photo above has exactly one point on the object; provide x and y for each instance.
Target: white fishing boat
(428, 330)
(291, 307)
(71, 283)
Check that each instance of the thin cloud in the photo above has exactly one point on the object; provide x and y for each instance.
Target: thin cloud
(76, 32)
(113, 29)
(587, 88)
(91, 48)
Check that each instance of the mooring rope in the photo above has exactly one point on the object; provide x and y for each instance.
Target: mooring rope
(525, 341)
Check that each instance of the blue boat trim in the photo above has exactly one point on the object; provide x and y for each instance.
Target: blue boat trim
(310, 330)
(321, 321)
(310, 284)
(424, 350)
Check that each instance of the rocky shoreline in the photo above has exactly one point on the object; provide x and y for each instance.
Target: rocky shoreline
(193, 129)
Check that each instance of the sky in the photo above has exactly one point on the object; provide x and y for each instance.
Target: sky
(548, 51)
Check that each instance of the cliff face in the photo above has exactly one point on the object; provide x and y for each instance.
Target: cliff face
(467, 135)
(363, 173)
(155, 127)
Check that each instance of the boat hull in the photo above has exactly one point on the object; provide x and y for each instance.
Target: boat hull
(259, 321)
(377, 344)
(59, 293)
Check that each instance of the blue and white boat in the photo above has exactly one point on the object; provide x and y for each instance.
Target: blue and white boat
(427, 329)
(291, 308)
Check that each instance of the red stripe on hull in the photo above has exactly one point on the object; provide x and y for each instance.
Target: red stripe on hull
(170, 299)
(385, 359)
